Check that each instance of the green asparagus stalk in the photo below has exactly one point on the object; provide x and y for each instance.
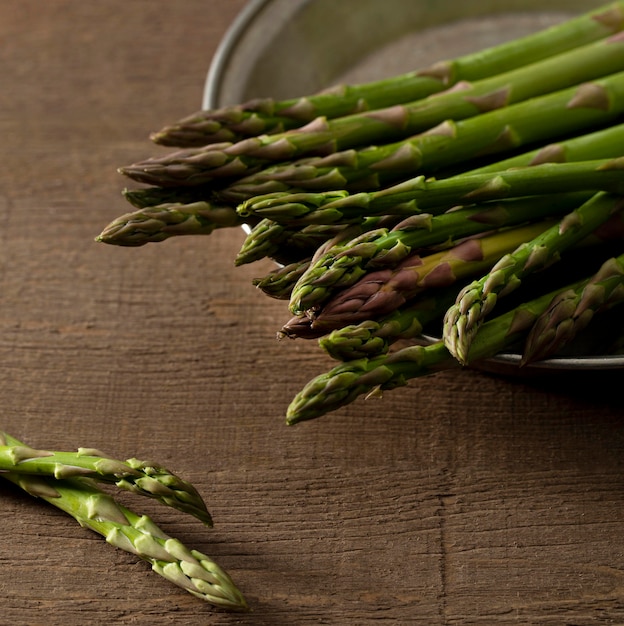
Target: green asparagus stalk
(465, 100)
(91, 508)
(157, 223)
(373, 167)
(338, 207)
(571, 310)
(268, 115)
(372, 338)
(604, 143)
(299, 327)
(606, 239)
(143, 197)
(278, 283)
(141, 477)
(347, 381)
(226, 124)
(381, 292)
(342, 265)
(601, 144)
(421, 194)
(477, 299)
(267, 239)
(573, 109)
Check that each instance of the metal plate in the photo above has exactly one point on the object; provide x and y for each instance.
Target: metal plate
(288, 48)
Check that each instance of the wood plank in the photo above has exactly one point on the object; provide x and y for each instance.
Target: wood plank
(464, 498)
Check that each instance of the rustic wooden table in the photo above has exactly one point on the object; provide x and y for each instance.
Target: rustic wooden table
(464, 499)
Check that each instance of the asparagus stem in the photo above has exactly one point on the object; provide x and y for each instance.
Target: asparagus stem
(372, 338)
(144, 197)
(267, 239)
(141, 477)
(278, 283)
(599, 144)
(421, 194)
(380, 292)
(268, 115)
(465, 100)
(347, 381)
(139, 535)
(136, 228)
(342, 265)
(227, 124)
(570, 109)
(604, 143)
(377, 166)
(477, 299)
(157, 223)
(571, 311)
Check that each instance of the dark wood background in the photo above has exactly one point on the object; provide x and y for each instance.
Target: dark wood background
(464, 499)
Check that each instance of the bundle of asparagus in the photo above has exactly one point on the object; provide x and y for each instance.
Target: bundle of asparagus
(68, 480)
(418, 203)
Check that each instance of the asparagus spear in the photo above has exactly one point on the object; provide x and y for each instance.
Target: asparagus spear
(344, 167)
(372, 338)
(229, 124)
(380, 165)
(477, 299)
(299, 326)
(338, 207)
(342, 265)
(570, 311)
(604, 143)
(268, 238)
(142, 477)
(347, 381)
(268, 115)
(421, 194)
(139, 535)
(383, 291)
(278, 283)
(536, 119)
(144, 197)
(466, 100)
(157, 223)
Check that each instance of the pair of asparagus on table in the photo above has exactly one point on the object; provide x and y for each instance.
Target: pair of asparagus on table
(69, 481)
(490, 182)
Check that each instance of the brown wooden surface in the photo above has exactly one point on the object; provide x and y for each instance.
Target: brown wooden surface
(464, 499)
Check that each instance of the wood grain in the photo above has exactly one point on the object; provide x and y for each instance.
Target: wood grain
(463, 499)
